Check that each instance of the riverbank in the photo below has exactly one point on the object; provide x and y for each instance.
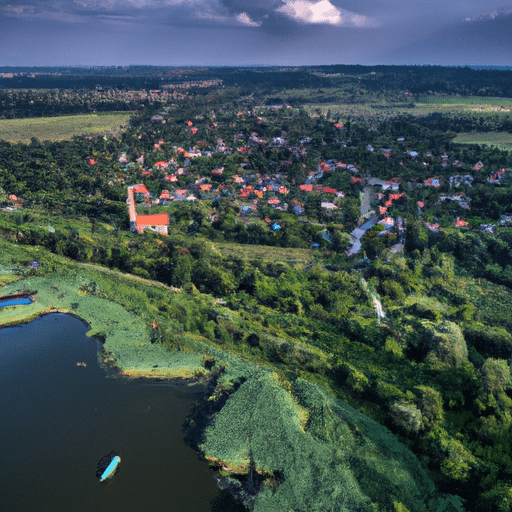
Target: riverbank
(127, 338)
(271, 437)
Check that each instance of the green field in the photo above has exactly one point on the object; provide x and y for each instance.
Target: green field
(62, 127)
(266, 254)
(502, 140)
(426, 105)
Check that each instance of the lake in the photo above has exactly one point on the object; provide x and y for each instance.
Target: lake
(59, 420)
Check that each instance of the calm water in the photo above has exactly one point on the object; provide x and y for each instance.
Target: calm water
(58, 420)
(15, 302)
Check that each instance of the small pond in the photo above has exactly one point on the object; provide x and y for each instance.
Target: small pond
(58, 420)
(15, 302)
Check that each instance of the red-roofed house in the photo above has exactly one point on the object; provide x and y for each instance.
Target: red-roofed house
(274, 201)
(157, 222)
(162, 165)
(421, 204)
(172, 178)
(355, 179)
(383, 210)
(189, 123)
(205, 187)
(459, 223)
(306, 188)
(478, 166)
(329, 190)
(193, 131)
(140, 189)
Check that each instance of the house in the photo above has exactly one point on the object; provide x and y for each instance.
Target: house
(458, 180)
(432, 182)
(488, 228)
(387, 222)
(326, 205)
(306, 188)
(181, 194)
(432, 227)
(459, 223)
(478, 166)
(497, 176)
(157, 222)
(506, 220)
(140, 189)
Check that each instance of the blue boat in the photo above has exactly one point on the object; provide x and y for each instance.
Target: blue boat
(107, 466)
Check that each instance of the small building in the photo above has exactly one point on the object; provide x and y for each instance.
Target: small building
(156, 222)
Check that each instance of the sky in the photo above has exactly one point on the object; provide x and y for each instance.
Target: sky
(255, 32)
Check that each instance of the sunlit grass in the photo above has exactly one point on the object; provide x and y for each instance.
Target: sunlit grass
(62, 127)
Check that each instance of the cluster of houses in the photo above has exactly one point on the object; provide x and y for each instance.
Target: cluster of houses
(253, 189)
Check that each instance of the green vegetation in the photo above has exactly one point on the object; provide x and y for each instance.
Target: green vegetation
(61, 128)
(252, 290)
(502, 140)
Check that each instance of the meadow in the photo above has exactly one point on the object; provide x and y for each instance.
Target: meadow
(61, 127)
(503, 140)
(382, 107)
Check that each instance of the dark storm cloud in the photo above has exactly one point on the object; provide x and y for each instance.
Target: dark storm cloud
(214, 12)
(246, 31)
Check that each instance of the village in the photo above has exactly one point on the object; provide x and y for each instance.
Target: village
(276, 196)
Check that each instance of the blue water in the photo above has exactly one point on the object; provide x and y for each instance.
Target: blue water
(15, 302)
(58, 420)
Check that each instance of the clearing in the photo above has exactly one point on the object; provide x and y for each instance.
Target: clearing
(61, 127)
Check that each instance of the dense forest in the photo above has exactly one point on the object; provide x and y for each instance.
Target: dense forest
(434, 365)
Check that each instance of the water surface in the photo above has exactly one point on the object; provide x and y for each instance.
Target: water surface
(58, 420)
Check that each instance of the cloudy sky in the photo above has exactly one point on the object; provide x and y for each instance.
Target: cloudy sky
(255, 32)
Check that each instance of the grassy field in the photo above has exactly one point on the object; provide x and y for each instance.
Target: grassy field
(503, 140)
(267, 254)
(62, 127)
(426, 105)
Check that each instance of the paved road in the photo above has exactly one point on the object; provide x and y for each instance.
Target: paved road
(366, 197)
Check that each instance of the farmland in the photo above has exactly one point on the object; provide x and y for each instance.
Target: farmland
(62, 127)
(503, 140)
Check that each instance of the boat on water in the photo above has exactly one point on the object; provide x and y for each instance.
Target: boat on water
(107, 466)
